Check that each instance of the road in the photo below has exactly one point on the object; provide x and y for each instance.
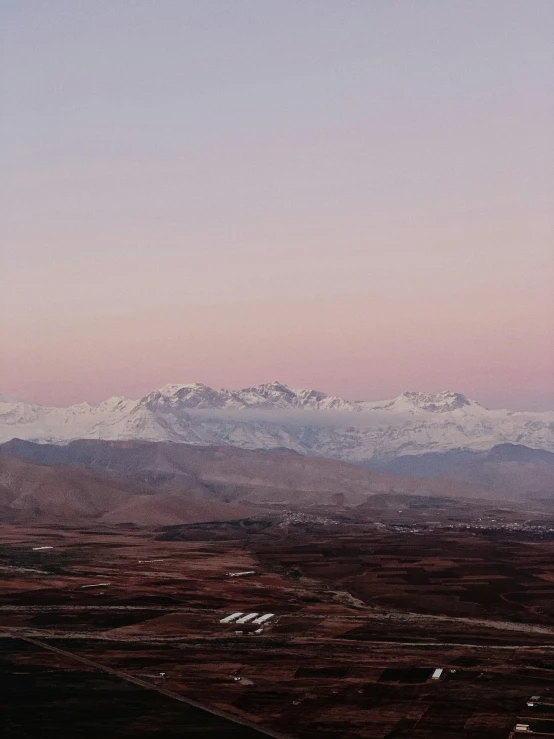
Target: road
(369, 615)
(30, 635)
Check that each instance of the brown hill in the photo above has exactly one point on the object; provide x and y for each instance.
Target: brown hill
(36, 493)
(528, 479)
(231, 475)
(510, 469)
(166, 509)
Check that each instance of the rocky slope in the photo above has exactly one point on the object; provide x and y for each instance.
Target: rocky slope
(165, 483)
(508, 468)
(231, 475)
(274, 415)
(33, 493)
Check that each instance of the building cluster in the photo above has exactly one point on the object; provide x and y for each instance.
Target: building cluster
(243, 618)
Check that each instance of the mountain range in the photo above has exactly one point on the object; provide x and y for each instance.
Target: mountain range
(33, 493)
(506, 468)
(164, 483)
(274, 415)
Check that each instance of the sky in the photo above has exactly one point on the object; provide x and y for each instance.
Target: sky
(350, 196)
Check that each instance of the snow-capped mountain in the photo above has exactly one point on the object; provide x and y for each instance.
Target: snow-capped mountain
(275, 415)
(271, 396)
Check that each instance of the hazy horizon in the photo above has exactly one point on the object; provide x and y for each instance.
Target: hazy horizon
(352, 197)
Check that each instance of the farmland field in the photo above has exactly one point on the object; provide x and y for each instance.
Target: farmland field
(361, 620)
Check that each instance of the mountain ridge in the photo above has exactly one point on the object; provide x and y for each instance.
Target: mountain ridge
(33, 491)
(229, 473)
(274, 415)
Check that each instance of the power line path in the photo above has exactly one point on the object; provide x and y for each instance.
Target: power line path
(148, 686)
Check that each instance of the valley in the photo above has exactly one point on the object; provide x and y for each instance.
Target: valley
(127, 624)
(150, 588)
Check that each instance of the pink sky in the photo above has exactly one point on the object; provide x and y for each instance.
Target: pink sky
(351, 197)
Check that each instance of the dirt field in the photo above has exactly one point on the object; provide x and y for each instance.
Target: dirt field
(361, 621)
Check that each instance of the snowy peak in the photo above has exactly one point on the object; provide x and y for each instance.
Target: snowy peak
(194, 395)
(274, 415)
(279, 396)
(17, 412)
(444, 402)
(268, 396)
(417, 403)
